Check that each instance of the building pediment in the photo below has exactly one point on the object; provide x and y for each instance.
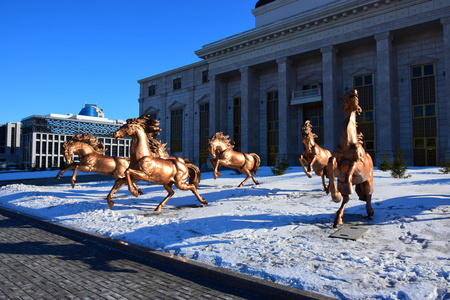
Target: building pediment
(422, 60)
(151, 110)
(176, 104)
(203, 99)
(363, 71)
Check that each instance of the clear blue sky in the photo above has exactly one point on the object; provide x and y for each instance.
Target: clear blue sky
(57, 55)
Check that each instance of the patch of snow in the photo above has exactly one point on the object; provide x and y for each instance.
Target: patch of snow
(278, 230)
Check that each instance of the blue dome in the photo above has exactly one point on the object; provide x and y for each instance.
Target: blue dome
(89, 111)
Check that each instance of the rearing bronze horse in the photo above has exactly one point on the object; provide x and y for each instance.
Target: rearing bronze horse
(350, 163)
(222, 153)
(314, 156)
(147, 167)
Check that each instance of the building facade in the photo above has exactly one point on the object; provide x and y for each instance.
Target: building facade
(259, 86)
(43, 136)
(9, 144)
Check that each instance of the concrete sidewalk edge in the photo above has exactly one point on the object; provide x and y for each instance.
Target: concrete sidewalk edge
(241, 281)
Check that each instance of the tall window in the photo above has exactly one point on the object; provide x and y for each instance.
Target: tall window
(272, 127)
(177, 84)
(423, 100)
(176, 130)
(151, 90)
(204, 132)
(205, 76)
(366, 121)
(315, 115)
(237, 123)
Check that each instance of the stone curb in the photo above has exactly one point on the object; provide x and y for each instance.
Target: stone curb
(240, 281)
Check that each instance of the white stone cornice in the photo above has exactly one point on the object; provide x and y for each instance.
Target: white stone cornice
(341, 12)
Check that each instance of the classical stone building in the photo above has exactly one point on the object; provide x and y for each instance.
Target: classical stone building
(260, 85)
(43, 136)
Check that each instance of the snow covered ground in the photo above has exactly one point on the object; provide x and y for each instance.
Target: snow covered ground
(278, 230)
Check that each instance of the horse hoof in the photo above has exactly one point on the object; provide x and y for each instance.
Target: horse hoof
(111, 204)
(336, 197)
(257, 183)
(158, 209)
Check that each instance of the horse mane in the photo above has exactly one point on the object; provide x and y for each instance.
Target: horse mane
(307, 130)
(88, 139)
(150, 126)
(156, 146)
(223, 138)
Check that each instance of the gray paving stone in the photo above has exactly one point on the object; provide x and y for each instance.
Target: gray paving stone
(39, 263)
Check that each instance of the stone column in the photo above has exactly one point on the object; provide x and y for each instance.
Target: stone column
(190, 134)
(214, 104)
(446, 28)
(332, 106)
(286, 144)
(385, 101)
(247, 110)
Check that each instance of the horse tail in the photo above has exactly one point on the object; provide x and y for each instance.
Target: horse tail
(257, 162)
(194, 174)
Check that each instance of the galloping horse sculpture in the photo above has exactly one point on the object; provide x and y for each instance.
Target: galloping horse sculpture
(222, 153)
(159, 150)
(314, 156)
(350, 163)
(90, 152)
(147, 167)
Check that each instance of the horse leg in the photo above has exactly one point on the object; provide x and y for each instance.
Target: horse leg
(74, 176)
(364, 191)
(214, 167)
(340, 212)
(137, 176)
(325, 186)
(71, 166)
(245, 180)
(117, 185)
(335, 194)
(182, 185)
(216, 172)
(302, 160)
(347, 187)
(169, 189)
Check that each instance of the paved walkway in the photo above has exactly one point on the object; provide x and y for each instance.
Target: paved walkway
(40, 262)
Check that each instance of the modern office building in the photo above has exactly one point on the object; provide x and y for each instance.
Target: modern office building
(9, 144)
(43, 136)
(260, 85)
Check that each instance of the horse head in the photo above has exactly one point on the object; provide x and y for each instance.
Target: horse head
(219, 142)
(307, 135)
(351, 102)
(68, 151)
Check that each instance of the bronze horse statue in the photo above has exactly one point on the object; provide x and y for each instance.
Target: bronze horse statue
(148, 167)
(90, 152)
(221, 149)
(313, 156)
(350, 163)
(159, 150)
